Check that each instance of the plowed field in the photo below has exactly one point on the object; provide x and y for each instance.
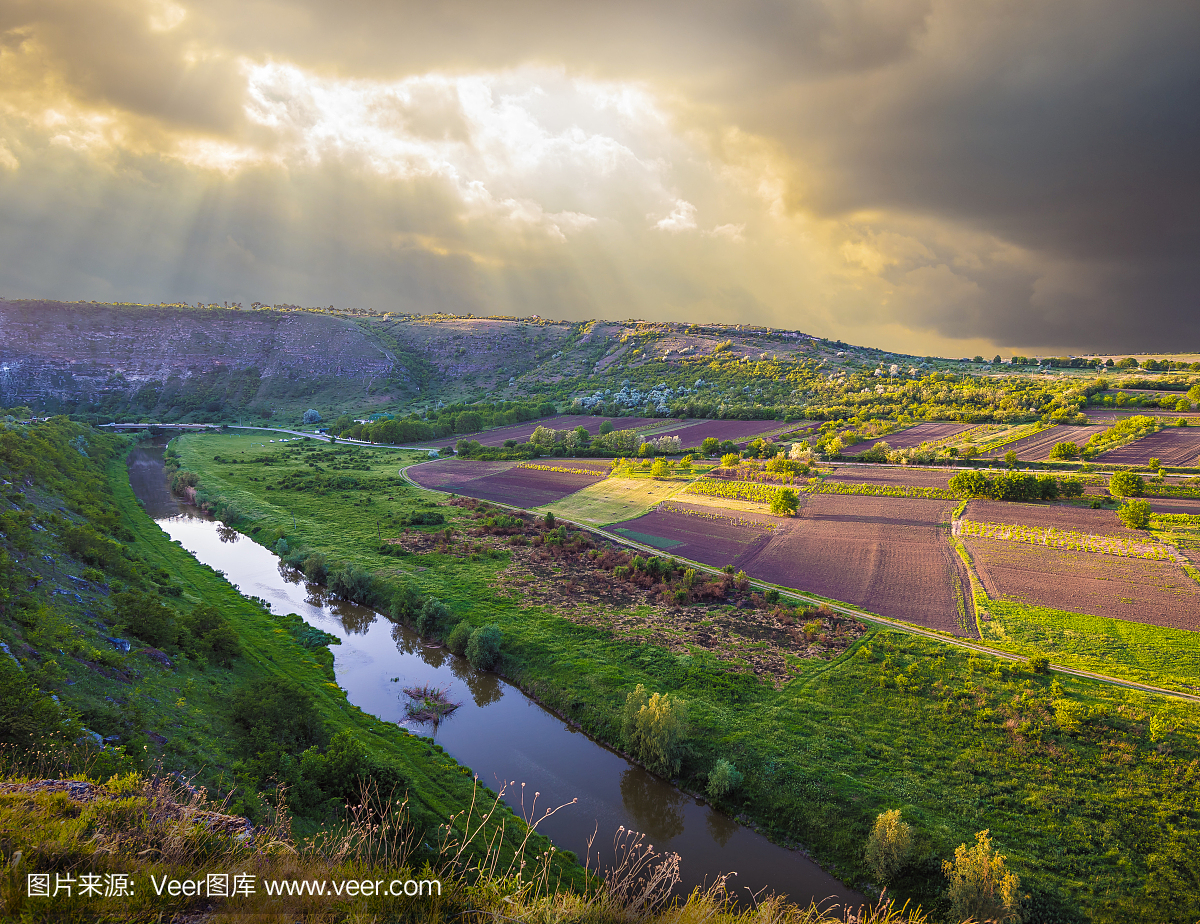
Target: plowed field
(522, 431)
(1153, 592)
(1107, 417)
(1188, 505)
(521, 487)
(1037, 448)
(1172, 446)
(1075, 519)
(917, 477)
(913, 436)
(698, 534)
(693, 433)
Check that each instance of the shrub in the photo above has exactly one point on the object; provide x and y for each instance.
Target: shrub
(723, 779)
(877, 453)
(785, 502)
(432, 616)
(1070, 487)
(352, 583)
(315, 568)
(730, 460)
(660, 469)
(457, 640)
(406, 602)
(980, 886)
(654, 727)
(312, 416)
(889, 845)
(970, 484)
(1010, 458)
(146, 618)
(1065, 451)
(710, 445)
(1039, 664)
(483, 647)
(1135, 514)
(1126, 484)
(549, 520)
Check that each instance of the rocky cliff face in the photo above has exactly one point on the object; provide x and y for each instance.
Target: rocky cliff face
(67, 353)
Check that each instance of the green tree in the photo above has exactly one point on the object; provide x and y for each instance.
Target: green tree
(606, 427)
(660, 469)
(730, 460)
(1135, 514)
(1010, 458)
(970, 484)
(785, 502)
(889, 845)
(654, 727)
(457, 640)
(723, 779)
(1126, 484)
(1065, 451)
(483, 647)
(980, 886)
(710, 446)
(312, 416)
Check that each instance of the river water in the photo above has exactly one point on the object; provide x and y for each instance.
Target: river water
(499, 732)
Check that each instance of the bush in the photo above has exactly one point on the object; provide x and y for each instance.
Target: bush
(1070, 487)
(146, 618)
(352, 583)
(1065, 451)
(312, 416)
(1126, 484)
(406, 602)
(877, 453)
(483, 648)
(730, 460)
(970, 484)
(723, 779)
(785, 502)
(889, 845)
(432, 616)
(315, 568)
(1039, 664)
(654, 727)
(1135, 514)
(980, 886)
(457, 640)
(710, 446)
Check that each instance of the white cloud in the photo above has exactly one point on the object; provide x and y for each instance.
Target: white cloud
(682, 218)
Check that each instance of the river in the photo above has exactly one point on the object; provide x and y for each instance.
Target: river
(499, 732)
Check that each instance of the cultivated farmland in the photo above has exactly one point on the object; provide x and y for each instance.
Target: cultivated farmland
(521, 487)
(613, 499)
(1057, 516)
(702, 535)
(1172, 446)
(522, 431)
(694, 432)
(866, 474)
(1186, 505)
(1158, 593)
(1037, 448)
(912, 437)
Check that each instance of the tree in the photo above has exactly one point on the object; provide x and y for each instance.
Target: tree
(660, 469)
(1065, 451)
(970, 484)
(730, 460)
(723, 779)
(1135, 514)
(997, 360)
(1126, 484)
(312, 416)
(981, 888)
(606, 427)
(889, 845)
(483, 648)
(458, 638)
(654, 727)
(785, 502)
(1010, 459)
(710, 445)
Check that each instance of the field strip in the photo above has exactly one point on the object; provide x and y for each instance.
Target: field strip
(859, 614)
(1069, 540)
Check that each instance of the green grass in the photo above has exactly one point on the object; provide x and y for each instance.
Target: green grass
(615, 499)
(958, 741)
(1129, 650)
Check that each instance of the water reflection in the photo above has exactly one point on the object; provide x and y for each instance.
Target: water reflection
(485, 688)
(657, 809)
(227, 533)
(721, 827)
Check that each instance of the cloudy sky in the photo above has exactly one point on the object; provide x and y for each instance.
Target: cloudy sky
(922, 175)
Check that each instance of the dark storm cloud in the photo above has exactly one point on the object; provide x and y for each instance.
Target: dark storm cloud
(1020, 173)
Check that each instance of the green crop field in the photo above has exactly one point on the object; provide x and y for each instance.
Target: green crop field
(615, 499)
(1073, 778)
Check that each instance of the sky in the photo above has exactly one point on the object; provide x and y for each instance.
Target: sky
(933, 177)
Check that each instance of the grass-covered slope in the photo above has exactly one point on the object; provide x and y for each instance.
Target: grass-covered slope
(116, 632)
(1087, 789)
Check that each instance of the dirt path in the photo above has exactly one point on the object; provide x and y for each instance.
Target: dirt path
(863, 616)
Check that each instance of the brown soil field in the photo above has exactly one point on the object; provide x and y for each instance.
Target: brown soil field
(1172, 446)
(1157, 593)
(522, 431)
(699, 534)
(1037, 448)
(889, 555)
(1188, 505)
(1056, 516)
(693, 433)
(913, 436)
(911, 475)
(501, 482)
(1108, 416)
(599, 466)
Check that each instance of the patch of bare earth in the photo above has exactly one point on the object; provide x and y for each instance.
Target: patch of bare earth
(597, 584)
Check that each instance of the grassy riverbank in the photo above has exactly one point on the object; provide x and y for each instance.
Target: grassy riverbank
(1079, 783)
(117, 632)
